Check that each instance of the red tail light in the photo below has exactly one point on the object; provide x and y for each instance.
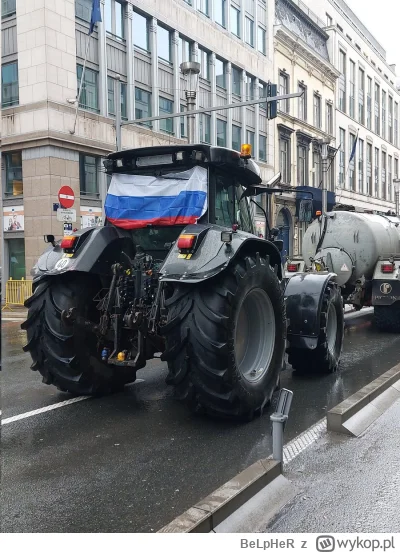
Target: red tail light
(387, 268)
(293, 267)
(186, 241)
(67, 243)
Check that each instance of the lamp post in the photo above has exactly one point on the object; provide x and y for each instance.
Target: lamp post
(191, 70)
(396, 184)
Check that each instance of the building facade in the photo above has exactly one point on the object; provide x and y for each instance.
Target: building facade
(301, 65)
(44, 46)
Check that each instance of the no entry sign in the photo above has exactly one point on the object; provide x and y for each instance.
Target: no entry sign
(66, 196)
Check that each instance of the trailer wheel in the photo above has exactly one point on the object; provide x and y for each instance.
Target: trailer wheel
(387, 317)
(225, 340)
(325, 357)
(66, 358)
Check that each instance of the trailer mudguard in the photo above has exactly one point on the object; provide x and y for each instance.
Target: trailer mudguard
(97, 248)
(304, 295)
(211, 255)
(385, 292)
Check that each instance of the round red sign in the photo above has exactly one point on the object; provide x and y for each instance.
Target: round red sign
(66, 197)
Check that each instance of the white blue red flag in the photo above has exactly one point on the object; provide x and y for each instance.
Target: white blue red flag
(137, 201)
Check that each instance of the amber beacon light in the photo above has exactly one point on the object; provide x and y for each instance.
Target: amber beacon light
(245, 151)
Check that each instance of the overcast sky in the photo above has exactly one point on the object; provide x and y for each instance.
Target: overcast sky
(382, 19)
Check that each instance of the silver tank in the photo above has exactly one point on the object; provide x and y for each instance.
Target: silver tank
(352, 244)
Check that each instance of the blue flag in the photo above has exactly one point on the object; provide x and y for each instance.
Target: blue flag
(96, 15)
(353, 151)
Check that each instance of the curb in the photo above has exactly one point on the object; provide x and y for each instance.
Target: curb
(360, 410)
(220, 504)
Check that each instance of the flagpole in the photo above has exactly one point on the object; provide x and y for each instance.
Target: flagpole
(80, 84)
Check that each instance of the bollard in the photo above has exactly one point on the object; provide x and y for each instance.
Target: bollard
(278, 420)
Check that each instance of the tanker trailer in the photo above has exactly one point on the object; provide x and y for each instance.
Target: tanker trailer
(364, 251)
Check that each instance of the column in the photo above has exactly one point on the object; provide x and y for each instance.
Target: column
(177, 81)
(130, 59)
(229, 113)
(154, 72)
(213, 125)
(103, 90)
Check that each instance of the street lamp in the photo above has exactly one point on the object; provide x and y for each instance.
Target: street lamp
(396, 184)
(191, 70)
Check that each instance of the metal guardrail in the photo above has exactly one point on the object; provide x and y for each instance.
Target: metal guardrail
(17, 292)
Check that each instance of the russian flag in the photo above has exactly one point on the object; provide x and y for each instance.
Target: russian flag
(137, 201)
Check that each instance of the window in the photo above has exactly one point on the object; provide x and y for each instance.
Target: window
(377, 109)
(317, 111)
(205, 128)
(221, 133)
(220, 11)
(9, 85)
(302, 102)
(342, 81)
(390, 176)
(204, 60)
(262, 147)
(220, 73)
(142, 105)
(352, 163)
(83, 8)
(317, 168)
(361, 93)
(111, 84)
(166, 106)
(13, 174)
(114, 18)
(384, 191)
(342, 156)
(329, 20)
(140, 28)
(352, 89)
(369, 169)
(283, 89)
(88, 167)
(7, 8)
(383, 114)
(329, 118)
(235, 21)
(250, 87)
(236, 137)
(376, 188)
(188, 2)
(360, 165)
(184, 50)
(16, 256)
(369, 103)
(331, 174)
(301, 165)
(390, 119)
(250, 140)
(236, 80)
(90, 93)
(284, 164)
(396, 168)
(203, 6)
(183, 129)
(262, 40)
(164, 44)
(262, 93)
(249, 31)
(396, 124)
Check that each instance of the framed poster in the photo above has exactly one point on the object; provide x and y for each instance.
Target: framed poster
(13, 218)
(91, 217)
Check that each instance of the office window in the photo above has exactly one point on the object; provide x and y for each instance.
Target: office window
(360, 165)
(249, 31)
(9, 85)
(164, 44)
(111, 84)
(262, 40)
(283, 89)
(384, 191)
(166, 106)
(250, 87)
(140, 26)
(284, 161)
(301, 165)
(90, 93)
(389, 179)
(221, 133)
(342, 81)
(184, 50)
(236, 137)
(329, 20)
(383, 114)
(250, 140)
(13, 174)
(8, 7)
(390, 119)
(342, 157)
(83, 8)
(203, 6)
(220, 12)
(262, 147)
(396, 168)
(142, 105)
(317, 169)
(369, 169)
(302, 102)
(235, 21)
(114, 18)
(262, 93)
(205, 128)
(352, 89)
(396, 124)
(376, 164)
(88, 169)
(236, 80)
(369, 103)
(220, 73)
(329, 118)
(377, 109)
(317, 111)
(361, 93)
(352, 164)
(183, 129)
(204, 60)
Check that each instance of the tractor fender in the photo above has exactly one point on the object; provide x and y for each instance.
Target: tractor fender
(304, 294)
(96, 249)
(212, 255)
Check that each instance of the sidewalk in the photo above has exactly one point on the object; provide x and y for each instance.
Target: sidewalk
(15, 312)
(347, 484)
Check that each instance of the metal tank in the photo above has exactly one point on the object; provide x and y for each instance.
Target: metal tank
(352, 243)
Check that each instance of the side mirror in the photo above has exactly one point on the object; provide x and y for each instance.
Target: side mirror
(279, 244)
(49, 239)
(276, 179)
(274, 231)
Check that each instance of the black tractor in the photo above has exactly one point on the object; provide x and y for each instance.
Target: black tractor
(177, 272)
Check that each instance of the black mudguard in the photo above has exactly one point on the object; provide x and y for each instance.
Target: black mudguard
(385, 292)
(212, 255)
(97, 249)
(304, 295)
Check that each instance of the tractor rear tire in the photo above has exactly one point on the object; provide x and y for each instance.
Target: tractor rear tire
(325, 358)
(225, 340)
(387, 317)
(65, 356)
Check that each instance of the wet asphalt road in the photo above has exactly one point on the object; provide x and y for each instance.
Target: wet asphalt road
(133, 461)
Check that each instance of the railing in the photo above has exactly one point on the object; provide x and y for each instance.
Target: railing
(17, 292)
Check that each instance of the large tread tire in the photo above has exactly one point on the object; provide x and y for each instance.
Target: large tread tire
(322, 360)
(200, 341)
(65, 356)
(387, 317)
